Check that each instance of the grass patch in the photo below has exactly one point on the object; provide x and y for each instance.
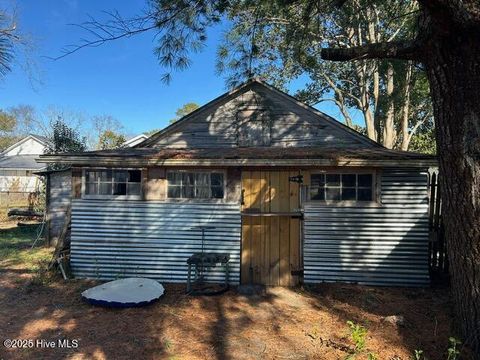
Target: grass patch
(15, 248)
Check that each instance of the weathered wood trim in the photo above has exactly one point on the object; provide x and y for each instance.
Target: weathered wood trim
(47, 208)
(233, 188)
(155, 184)
(59, 195)
(132, 161)
(76, 183)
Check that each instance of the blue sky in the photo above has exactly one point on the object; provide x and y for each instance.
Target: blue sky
(122, 78)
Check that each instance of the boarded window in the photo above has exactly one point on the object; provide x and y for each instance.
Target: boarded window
(341, 187)
(113, 183)
(195, 185)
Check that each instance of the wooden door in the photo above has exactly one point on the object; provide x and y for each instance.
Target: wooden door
(270, 228)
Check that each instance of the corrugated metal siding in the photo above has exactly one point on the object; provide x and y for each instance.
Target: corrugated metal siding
(386, 245)
(112, 239)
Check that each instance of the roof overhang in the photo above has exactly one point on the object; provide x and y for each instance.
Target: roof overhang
(87, 161)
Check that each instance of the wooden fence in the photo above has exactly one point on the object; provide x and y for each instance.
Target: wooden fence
(437, 247)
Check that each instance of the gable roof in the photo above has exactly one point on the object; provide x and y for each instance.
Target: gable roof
(339, 145)
(320, 118)
(42, 140)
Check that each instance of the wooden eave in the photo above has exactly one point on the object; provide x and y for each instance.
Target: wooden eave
(89, 161)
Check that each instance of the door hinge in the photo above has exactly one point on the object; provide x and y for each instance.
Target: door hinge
(297, 179)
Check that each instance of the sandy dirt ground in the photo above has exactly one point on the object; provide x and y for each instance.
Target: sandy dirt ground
(279, 324)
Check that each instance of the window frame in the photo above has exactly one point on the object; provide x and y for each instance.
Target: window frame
(195, 171)
(111, 197)
(376, 174)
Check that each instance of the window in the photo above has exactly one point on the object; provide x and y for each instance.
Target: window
(341, 187)
(195, 185)
(111, 183)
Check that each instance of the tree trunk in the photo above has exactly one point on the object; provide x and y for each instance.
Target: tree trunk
(453, 65)
(406, 108)
(389, 128)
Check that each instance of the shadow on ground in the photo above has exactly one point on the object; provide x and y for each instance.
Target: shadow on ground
(281, 324)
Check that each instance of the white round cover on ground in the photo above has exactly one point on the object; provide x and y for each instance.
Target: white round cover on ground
(127, 292)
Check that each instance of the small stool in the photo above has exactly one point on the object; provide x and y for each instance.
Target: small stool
(201, 262)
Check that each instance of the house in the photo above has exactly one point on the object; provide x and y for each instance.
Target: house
(17, 167)
(292, 195)
(135, 140)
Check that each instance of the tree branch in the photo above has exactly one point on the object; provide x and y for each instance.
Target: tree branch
(406, 50)
(117, 28)
(418, 124)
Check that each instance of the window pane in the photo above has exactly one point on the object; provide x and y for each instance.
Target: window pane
(120, 189)
(120, 176)
(88, 176)
(134, 176)
(188, 192)
(134, 189)
(188, 179)
(317, 193)
(105, 189)
(102, 175)
(201, 179)
(317, 180)
(333, 179)
(201, 185)
(348, 194)
(202, 192)
(174, 178)
(365, 180)
(91, 189)
(365, 195)
(332, 193)
(349, 180)
(173, 191)
(217, 192)
(217, 179)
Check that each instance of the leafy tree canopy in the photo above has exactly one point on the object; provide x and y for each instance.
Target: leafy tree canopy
(7, 122)
(184, 110)
(110, 140)
(282, 42)
(179, 113)
(65, 139)
(7, 126)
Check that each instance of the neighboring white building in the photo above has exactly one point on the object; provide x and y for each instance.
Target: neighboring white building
(17, 165)
(135, 140)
